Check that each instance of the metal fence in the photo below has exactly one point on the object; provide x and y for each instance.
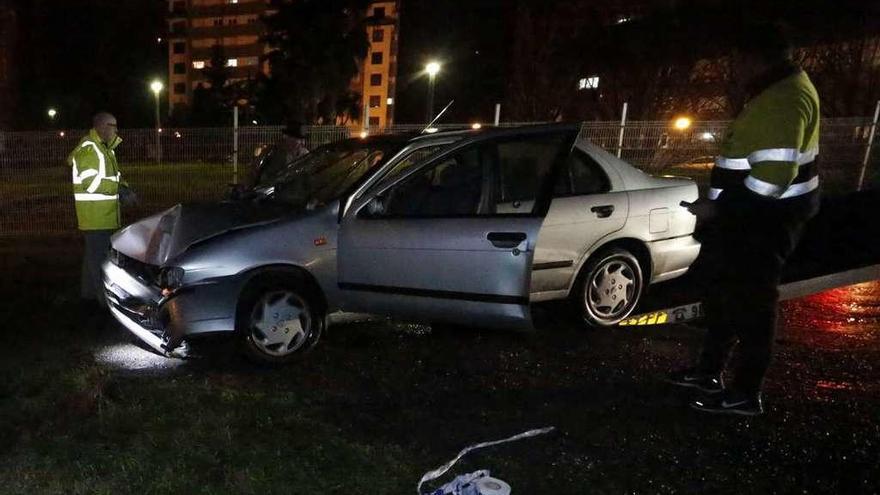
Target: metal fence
(199, 164)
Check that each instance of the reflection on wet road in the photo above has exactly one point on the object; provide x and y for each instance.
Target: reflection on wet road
(852, 311)
(830, 343)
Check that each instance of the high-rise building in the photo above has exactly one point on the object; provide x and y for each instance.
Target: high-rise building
(377, 80)
(196, 27)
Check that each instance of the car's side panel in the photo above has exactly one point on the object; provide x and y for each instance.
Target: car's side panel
(654, 218)
(569, 231)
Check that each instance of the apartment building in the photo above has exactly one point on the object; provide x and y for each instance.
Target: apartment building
(377, 80)
(195, 27)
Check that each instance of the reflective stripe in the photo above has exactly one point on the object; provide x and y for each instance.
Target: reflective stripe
(102, 167)
(784, 155)
(801, 188)
(773, 191)
(95, 197)
(768, 155)
(808, 156)
(774, 155)
(763, 188)
(732, 163)
(78, 179)
(714, 192)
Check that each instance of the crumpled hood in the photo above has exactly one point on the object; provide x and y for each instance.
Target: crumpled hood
(156, 239)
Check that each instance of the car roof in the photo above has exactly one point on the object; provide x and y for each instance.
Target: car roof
(404, 138)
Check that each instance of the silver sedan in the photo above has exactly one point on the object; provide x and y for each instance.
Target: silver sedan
(465, 227)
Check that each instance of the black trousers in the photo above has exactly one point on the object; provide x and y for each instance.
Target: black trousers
(744, 252)
(97, 245)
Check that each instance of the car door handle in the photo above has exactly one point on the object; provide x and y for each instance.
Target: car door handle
(603, 211)
(506, 240)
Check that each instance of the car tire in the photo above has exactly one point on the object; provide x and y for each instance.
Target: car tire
(608, 288)
(278, 320)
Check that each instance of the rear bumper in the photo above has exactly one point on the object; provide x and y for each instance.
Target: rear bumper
(672, 257)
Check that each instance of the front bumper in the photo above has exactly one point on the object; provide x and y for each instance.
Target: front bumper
(138, 307)
(164, 322)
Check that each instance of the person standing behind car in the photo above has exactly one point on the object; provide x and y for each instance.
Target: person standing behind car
(277, 157)
(97, 189)
(764, 189)
(294, 142)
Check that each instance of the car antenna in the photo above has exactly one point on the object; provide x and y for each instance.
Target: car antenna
(438, 116)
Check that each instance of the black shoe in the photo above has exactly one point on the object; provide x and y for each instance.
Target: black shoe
(730, 402)
(691, 378)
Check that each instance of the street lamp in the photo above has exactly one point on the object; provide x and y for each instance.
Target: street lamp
(52, 113)
(682, 123)
(156, 87)
(432, 69)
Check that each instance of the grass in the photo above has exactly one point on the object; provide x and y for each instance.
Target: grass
(379, 403)
(41, 201)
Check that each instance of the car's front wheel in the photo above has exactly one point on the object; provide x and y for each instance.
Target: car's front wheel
(609, 287)
(278, 321)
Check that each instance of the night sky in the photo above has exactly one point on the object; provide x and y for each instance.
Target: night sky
(86, 55)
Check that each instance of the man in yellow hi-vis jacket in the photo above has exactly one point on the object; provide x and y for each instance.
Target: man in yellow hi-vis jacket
(764, 189)
(97, 185)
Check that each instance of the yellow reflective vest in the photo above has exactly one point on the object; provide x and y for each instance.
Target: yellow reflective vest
(772, 146)
(96, 180)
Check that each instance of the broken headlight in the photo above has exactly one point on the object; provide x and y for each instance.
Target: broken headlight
(170, 277)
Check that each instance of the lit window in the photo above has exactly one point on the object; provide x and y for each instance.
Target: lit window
(233, 1)
(198, 64)
(591, 82)
(232, 62)
(375, 101)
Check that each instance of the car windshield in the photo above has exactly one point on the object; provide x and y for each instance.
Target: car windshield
(330, 171)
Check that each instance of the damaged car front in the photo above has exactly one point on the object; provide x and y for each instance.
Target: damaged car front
(202, 269)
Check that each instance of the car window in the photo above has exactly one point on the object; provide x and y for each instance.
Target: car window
(503, 176)
(414, 158)
(523, 165)
(581, 175)
(451, 187)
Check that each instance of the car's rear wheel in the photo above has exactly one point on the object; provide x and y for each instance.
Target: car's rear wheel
(278, 320)
(609, 287)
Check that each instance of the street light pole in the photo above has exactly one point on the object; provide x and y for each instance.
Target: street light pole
(156, 86)
(432, 69)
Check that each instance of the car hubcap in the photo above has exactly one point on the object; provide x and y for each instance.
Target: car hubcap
(611, 289)
(280, 323)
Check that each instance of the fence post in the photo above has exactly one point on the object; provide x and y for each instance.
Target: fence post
(235, 144)
(622, 127)
(868, 148)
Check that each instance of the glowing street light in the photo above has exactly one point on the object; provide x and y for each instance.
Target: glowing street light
(52, 113)
(432, 69)
(476, 126)
(682, 123)
(156, 87)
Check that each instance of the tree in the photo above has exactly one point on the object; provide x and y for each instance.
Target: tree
(316, 50)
